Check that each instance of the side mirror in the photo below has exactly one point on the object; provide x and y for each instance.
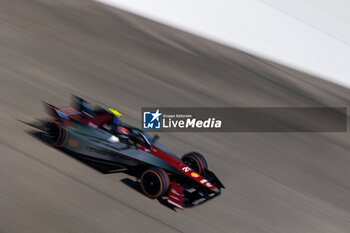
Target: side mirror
(147, 144)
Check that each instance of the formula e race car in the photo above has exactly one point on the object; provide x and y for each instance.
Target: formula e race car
(100, 136)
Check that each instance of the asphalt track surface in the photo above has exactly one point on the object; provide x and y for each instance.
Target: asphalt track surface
(276, 182)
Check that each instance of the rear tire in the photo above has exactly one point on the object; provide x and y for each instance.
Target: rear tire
(55, 133)
(154, 182)
(195, 161)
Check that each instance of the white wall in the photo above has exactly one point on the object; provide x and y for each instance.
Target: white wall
(310, 35)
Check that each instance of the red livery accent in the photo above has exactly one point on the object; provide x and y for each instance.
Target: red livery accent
(69, 111)
(98, 120)
(124, 130)
(175, 195)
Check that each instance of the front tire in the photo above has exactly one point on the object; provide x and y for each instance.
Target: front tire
(196, 161)
(154, 182)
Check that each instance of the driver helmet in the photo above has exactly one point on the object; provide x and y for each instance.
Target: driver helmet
(116, 121)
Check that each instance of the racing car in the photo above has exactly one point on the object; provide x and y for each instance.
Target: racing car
(97, 134)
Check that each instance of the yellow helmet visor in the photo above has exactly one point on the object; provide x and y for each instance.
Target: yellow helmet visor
(115, 112)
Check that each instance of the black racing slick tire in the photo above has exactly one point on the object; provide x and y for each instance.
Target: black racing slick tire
(154, 182)
(55, 133)
(196, 161)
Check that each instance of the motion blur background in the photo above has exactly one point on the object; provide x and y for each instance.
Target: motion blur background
(310, 35)
(276, 182)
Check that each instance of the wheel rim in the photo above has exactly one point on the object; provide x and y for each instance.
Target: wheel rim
(192, 163)
(55, 133)
(151, 183)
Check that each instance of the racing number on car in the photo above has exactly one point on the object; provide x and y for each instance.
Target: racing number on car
(186, 169)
